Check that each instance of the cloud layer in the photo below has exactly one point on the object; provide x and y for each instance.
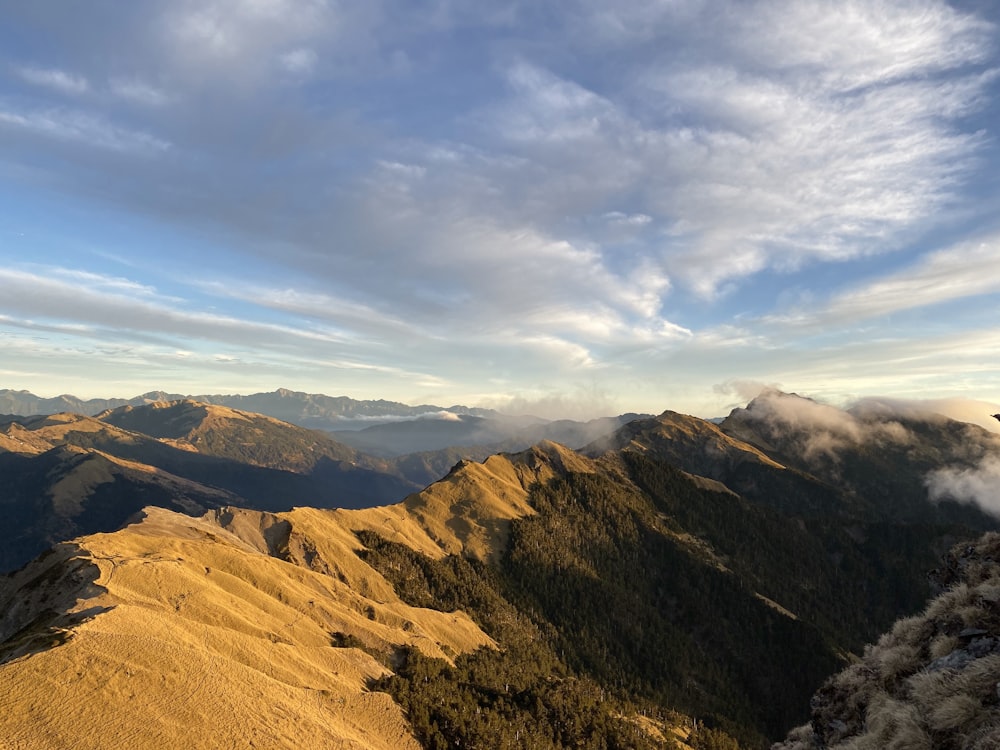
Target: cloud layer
(502, 202)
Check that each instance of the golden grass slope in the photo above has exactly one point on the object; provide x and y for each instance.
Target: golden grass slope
(469, 511)
(223, 631)
(221, 431)
(200, 639)
(39, 434)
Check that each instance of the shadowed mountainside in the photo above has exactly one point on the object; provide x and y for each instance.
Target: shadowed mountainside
(67, 474)
(877, 459)
(842, 502)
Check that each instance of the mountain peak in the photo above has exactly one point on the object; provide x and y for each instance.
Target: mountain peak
(469, 511)
(549, 456)
(698, 445)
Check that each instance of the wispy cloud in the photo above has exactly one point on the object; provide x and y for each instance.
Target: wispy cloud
(351, 316)
(301, 61)
(967, 270)
(770, 166)
(57, 80)
(242, 42)
(138, 91)
(859, 44)
(97, 282)
(117, 305)
(81, 127)
(960, 409)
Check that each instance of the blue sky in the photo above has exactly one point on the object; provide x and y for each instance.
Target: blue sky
(572, 208)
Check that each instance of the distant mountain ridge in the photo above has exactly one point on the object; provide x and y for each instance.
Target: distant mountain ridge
(423, 442)
(493, 435)
(192, 456)
(317, 411)
(65, 474)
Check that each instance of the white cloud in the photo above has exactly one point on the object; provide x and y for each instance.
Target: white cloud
(96, 281)
(979, 485)
(139, 92)
(352, 317)
(961, 272)
(57, 80)
(857, 43)
(301, 61)
(960, 409)
(815, 177)
(760, 162)
(484, 268)
(110, 306)
(617, 217)
(852, 364)
(580, 402)
(237, 41)
(81, 127)
(205, 31)
(549, 109)
(242, 27)
(966, 270)
(744, 390)
(820, 430)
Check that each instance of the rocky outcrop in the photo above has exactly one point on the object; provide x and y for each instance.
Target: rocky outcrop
(933, 681)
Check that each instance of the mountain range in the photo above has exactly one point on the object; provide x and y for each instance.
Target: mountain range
(422, 442)
(674, 582)
(312, 410)
(67, 474)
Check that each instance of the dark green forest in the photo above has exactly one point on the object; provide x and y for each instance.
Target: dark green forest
(601, 611)
(636, 592)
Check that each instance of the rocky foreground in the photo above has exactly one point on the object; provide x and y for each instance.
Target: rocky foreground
(933, 681)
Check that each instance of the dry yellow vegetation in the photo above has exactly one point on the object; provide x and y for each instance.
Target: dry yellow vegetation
(227, 630)
(469, 511)
(40, 434)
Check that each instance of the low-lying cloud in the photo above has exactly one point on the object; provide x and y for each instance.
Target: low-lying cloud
(820, 433)
(979, 485)
(961, 409)
(821, 430)
(582, 403)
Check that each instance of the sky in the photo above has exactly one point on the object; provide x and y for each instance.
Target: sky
(567, 208)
